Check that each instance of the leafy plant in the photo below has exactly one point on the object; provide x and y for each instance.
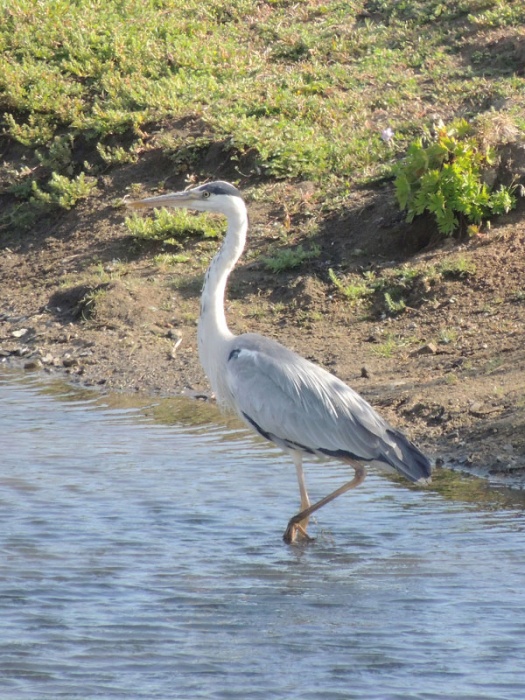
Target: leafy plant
(38, 130)
(445, 178)
(58, 156)
(63, 191)
(117, 155)
(394, 306)
(447, 336)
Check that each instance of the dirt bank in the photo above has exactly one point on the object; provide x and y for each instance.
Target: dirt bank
(80, 296)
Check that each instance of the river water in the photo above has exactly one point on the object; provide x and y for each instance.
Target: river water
(141, 557)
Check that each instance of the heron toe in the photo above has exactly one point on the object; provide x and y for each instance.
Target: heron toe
(296, 532)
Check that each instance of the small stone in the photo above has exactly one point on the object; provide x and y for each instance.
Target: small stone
(428, 349)
(19, 333)
(69, 361)
(33, 365)
(365, 373)
(173, 334)
(479, 409)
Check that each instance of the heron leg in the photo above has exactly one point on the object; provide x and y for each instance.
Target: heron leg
(302, 524)
(295, 523)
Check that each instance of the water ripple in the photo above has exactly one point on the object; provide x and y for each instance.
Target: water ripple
(141, 558)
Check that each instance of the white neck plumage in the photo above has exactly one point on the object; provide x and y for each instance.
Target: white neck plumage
(213, 332)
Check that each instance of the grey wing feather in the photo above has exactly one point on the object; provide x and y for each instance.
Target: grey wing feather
(295, 403)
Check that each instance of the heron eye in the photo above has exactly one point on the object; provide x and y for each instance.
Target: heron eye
(205, 194)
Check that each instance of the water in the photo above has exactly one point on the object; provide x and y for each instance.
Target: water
(141, 558)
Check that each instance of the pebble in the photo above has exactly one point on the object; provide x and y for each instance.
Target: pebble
(69, 361)
(33, 365)
(428, 349)
(19, 333)
(478, 409)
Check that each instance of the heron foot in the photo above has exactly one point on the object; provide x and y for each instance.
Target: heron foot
(295, 532)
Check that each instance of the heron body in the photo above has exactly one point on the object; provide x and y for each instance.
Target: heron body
(285, 398)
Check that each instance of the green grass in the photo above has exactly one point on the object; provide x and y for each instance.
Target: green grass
(305, 89)
(168, 225)
(290, 258)
(170, 259)
(352, 291)
(388, 347)
(457, 268)
(389, 291)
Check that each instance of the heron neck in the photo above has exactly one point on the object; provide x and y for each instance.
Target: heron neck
(213, 331)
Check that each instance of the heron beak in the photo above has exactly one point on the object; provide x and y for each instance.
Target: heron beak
(173, 199)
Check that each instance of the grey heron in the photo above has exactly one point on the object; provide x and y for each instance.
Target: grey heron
(288, 400)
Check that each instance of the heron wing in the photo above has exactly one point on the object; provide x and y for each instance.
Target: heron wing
(297, 404)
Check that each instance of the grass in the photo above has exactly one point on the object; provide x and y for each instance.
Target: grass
(290, 91)
(385, 291)
(389, 347)
(448, 336)
(388, 292)
(290, 258)
(167, 260)
(457, 268)
(168, 225)
(353, 291)
(87, 306)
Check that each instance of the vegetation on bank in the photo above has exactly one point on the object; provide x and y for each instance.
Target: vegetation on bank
(330, 92)
(445, 177)
(400, 288)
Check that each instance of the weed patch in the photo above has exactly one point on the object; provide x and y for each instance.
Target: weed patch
(353, 291)
(167, 225)
(457, 269)
(290, 258)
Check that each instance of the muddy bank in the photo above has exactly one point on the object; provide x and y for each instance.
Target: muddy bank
(81, 298)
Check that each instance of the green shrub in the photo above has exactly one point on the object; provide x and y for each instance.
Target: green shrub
(445, 178)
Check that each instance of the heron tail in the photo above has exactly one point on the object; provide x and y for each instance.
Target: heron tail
(404, 456)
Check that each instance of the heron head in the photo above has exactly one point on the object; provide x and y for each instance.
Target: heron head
(213, 196)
